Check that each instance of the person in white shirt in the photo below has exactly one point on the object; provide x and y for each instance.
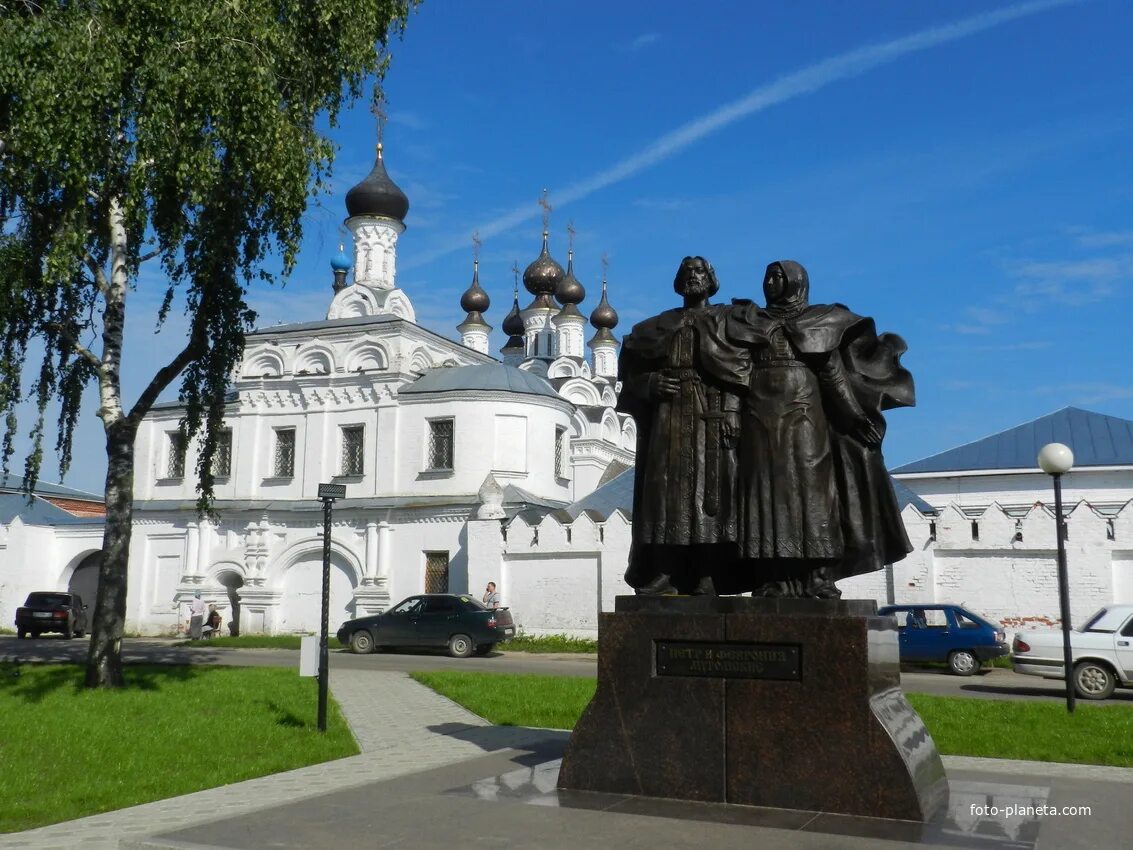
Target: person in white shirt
(491, 598)
(197, 610)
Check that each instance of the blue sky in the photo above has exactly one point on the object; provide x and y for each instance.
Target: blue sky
(960, 171)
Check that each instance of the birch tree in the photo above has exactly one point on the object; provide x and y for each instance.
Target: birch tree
(181, 133)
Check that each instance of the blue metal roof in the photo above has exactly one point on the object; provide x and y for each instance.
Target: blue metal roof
(485, 376)
(1095, 439)
(614, 494)
(12, 484)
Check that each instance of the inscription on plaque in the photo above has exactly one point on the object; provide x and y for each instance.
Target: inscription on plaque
(729, 660)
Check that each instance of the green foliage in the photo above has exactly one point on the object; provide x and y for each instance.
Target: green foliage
(549, 643)
(189, 728)
(181, 131)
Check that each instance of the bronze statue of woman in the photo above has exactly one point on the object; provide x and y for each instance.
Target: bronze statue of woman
(815, 501)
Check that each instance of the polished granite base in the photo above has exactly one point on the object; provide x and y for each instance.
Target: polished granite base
(783, 703)
(994, 816)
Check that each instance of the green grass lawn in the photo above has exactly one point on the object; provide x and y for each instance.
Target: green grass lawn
(1008, 729)
(68, 752)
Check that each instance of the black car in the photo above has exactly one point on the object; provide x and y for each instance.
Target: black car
(51, 611)
(459, 622)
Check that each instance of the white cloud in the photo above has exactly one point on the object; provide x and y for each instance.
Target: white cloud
(788, 87)
(641, 41)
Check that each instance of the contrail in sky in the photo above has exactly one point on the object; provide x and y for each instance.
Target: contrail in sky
(807, 80)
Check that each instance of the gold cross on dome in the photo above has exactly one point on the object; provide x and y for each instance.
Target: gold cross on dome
(605, 267)
(476, 243)
(515, 275)
(379, 112)
(545, 204)
(570, 236)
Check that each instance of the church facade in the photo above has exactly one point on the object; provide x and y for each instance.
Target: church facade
(419, 427)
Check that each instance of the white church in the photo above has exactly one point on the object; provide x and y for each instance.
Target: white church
(461, 468)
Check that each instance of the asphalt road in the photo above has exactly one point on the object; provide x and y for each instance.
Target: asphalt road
(991, 684)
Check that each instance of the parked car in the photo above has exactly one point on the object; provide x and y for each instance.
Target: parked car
(459, 622)
(51, 611)
(947, 633)
(1102, 652)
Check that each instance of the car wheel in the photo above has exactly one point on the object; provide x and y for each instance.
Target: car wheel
(485, 648)
(460, 646)
(361, 642)
(963, 663)
(1093, 680)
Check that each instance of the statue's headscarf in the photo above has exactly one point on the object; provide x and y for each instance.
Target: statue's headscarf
(796, 292)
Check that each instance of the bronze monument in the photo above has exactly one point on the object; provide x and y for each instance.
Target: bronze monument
(759, 470)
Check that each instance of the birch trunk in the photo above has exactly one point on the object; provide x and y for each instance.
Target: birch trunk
(104, 659)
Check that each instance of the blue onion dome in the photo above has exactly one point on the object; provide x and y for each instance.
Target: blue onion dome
(542, 277)
(475, 299)
(604, 316)
(377, 195)
(513, 321)
(340, 262)
(570, 290)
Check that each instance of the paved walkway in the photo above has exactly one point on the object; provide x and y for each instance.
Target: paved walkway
(402, 728)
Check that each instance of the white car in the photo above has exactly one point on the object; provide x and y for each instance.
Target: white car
(1102, 650)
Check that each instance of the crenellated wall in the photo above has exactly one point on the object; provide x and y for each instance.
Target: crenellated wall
(557, 574)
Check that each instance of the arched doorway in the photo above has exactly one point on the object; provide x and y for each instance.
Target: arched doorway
(302, 594)
(84, 579)
(232, 581)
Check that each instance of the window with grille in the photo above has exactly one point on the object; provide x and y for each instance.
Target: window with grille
(284, 453)
(560, 452)
(175, 455)
(436, 572)
(440, 443)
(353, 438)
(222, 457)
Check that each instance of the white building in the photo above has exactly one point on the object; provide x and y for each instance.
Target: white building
(415, 425)
(461, 470)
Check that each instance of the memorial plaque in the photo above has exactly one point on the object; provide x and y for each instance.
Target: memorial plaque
(729, 660)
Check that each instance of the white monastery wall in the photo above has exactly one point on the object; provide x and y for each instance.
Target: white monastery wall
(35, 557)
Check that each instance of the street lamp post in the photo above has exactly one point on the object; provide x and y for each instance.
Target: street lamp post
(328, 493)
(1055, 460)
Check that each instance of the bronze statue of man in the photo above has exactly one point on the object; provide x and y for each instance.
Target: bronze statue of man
(682, 383)
(815, 501)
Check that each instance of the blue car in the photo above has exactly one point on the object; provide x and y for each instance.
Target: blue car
(947, 633)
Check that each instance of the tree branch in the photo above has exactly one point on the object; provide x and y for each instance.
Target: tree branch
(99, 274)
(73, 341)
(168, 372)
(144, 257)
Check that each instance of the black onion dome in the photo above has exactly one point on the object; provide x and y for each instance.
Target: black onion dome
(570, 290)
(377, 195)
(543, 276)
(513, 322)
(475, 299)
(604, 316)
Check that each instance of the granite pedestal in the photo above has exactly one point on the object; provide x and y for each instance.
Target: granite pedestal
(787, 703)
